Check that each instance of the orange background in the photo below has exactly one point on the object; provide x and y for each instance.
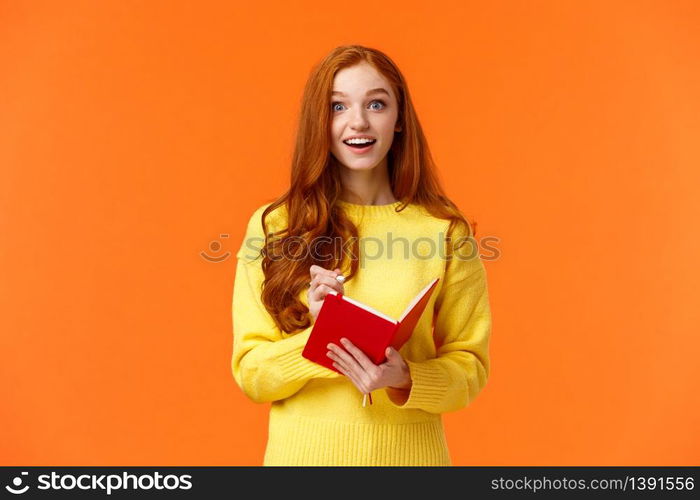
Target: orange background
(135, 134)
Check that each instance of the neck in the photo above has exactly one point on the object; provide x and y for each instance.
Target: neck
(367, 187)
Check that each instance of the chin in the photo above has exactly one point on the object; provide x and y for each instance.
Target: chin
(360, 165)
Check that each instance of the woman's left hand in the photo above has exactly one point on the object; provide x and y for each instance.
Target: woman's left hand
(367, 376)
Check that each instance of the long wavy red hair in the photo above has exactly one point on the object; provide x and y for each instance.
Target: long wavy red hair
(315, 187)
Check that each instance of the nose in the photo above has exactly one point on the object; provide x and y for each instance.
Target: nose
(358, 120)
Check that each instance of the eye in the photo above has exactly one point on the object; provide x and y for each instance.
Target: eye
(380, 102)
(375, 100)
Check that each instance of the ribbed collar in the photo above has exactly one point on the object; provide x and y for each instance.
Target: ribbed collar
(353, 209)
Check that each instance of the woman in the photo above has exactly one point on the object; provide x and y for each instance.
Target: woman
(345, 211)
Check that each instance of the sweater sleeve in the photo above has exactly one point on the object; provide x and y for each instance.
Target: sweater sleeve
(266, 363)
(462, 323)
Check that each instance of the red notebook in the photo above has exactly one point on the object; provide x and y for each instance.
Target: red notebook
(368, 329)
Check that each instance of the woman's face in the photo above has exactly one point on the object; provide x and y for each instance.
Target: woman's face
(358, 109)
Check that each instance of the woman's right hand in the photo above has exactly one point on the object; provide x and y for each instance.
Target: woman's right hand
(322, 282)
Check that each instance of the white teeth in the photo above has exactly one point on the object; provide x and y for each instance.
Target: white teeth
(358, 141)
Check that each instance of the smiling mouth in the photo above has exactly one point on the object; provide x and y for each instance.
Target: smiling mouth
(360, 146)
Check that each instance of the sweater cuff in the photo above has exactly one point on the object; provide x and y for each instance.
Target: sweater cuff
(429, 385)
(294, 366)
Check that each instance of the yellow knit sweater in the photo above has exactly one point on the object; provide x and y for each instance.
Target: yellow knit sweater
(316, 414)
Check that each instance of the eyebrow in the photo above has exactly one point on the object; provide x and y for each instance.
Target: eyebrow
(373, 91)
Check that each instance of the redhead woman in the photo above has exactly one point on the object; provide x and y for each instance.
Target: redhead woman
(364, 203)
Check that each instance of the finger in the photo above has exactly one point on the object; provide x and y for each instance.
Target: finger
(328, 280)
(315, 270)
(348, 361)
(352, 367)
(320, 292)
(352, 378)
(331, 282)
(342, 355)
(393, 356)
(337, 359)
(360, 356)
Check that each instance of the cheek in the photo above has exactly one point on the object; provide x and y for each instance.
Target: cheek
(336, 128)
(336, 136)
(388, 133)
(387, 126)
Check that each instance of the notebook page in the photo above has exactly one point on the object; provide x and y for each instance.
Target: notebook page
(366, 308)
(416, 299)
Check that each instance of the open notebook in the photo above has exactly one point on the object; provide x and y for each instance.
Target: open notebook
(368, 329)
